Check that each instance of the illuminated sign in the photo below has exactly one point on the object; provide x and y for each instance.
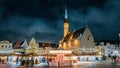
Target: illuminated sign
(60, 52)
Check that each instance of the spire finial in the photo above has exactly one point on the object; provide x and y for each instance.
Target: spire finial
(66, 15)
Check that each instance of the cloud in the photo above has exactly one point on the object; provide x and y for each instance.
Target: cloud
(20, 28)
(105, 21)
(102, 19)
(43, 19)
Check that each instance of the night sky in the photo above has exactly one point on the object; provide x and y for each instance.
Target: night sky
(43, 19)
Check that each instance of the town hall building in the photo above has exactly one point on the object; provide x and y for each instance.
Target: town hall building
(81, 39)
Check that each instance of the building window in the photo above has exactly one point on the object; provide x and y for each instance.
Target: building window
(6, 46)
(88, 37)
(2, 46)
(9, 46)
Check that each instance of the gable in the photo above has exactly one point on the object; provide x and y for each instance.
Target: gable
(17, 44)
(87, 39)
(24, 44)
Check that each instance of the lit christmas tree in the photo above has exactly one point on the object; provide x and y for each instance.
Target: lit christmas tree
(32, 48)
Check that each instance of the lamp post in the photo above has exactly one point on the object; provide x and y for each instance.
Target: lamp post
(119, 39)
(119, 35)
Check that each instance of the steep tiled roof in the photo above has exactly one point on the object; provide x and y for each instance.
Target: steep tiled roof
(78, 32)
(24, 44)
(19, 48)
(74, 35)
(68, 36)
(16, 45)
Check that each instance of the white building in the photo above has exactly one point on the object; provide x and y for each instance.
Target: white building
(110, 49)
(5, 47)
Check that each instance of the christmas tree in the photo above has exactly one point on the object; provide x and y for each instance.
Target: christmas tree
(32, 48)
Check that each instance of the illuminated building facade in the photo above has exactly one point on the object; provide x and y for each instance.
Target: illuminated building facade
(5, 50)
(6, 47)
(110, 49)
(80, 39)
(20, 48)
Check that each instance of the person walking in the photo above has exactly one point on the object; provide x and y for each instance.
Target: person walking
(114, 57)
(0, 60)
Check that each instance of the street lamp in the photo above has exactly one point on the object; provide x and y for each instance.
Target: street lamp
(119, 39)
(119, 35)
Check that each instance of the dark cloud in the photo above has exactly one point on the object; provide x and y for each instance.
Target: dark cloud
(43, 19)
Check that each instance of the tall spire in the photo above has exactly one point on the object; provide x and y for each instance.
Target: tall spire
(66, 24)
(66, 15)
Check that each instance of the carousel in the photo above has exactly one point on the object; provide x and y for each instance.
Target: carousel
(61, 58)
